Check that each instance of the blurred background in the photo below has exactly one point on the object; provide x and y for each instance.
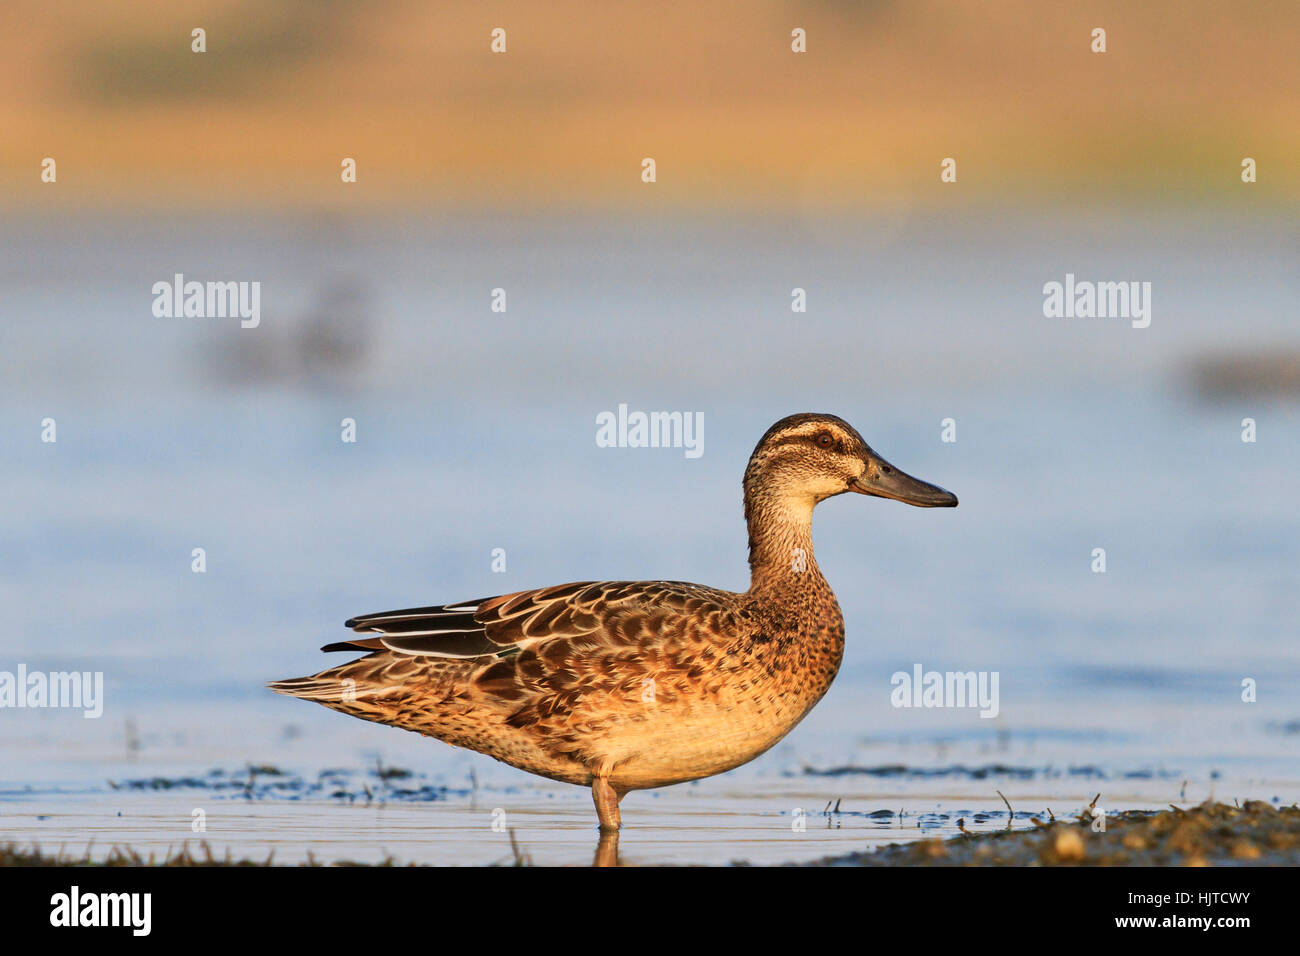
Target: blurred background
(775, 170)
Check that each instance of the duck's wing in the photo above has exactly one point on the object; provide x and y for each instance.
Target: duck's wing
(532, 657)
(567, 619)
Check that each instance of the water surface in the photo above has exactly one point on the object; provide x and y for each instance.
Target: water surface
(476, 432)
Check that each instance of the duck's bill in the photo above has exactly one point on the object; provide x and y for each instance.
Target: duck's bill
(889, 482)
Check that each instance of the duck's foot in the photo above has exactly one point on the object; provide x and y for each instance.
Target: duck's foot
(607, 799)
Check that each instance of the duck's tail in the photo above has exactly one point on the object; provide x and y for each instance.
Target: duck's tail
(320, 687)
(366, 679)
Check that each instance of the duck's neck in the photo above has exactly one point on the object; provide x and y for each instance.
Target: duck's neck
(780, 541)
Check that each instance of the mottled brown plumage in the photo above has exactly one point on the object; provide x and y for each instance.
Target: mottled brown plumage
(627, 685)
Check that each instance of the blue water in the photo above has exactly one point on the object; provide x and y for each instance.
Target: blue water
(476, 431)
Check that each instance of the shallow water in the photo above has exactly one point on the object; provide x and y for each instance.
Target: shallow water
(476, 432)
(382, 813)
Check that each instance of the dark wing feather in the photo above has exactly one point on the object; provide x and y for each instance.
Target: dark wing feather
(572, 614)
(436, 631)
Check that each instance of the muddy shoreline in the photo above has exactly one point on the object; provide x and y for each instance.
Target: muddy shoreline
(1212, 834)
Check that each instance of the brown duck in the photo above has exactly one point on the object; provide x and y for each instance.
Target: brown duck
(628, 685)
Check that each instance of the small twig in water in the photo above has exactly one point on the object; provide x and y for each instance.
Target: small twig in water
(1011, 814)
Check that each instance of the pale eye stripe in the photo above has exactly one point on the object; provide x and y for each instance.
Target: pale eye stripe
(809, 433)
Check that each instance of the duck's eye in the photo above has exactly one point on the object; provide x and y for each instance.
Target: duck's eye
(825, 440)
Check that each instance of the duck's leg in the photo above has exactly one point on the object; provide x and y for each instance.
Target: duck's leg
(607, 799)
(606, 849)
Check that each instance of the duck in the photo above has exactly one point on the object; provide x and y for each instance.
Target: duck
(633, 685)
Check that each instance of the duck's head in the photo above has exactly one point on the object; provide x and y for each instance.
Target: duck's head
(807, 458)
